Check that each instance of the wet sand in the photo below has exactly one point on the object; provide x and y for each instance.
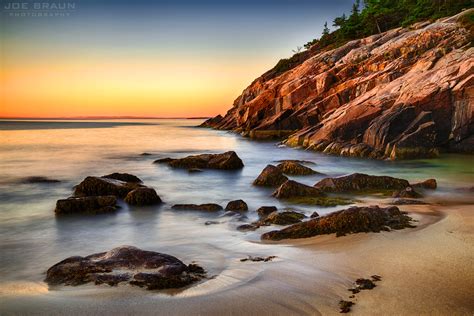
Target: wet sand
(425, 271)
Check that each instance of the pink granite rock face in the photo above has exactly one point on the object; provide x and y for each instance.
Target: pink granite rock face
(405, 93)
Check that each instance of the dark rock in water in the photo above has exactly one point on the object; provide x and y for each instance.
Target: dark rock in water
(125, 264)
(271, 176)
(211, 121)
(211, 223)
(210, 207)
(142, 196)
(407, 202)
(258, 259)
(362, 183)
(89, 204)
(348, 221)
(291, 189)
(296, 161)
(39, 179)
(408, 192)
(146, 154)
(163, 160)
(225, 161)
(247, 227)
(94, 186)
(282, 218)
(295, 168)
(345, 306)
(237, 205)
(430, 184)
(264, 211)
(125, 177)
(194, 170)
(314, 215)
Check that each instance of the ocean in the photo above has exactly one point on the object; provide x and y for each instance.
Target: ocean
(32, 238)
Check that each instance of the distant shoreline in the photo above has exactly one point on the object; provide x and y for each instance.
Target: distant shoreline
(104, 118)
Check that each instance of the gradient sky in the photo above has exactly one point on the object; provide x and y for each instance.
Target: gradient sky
(149, 58)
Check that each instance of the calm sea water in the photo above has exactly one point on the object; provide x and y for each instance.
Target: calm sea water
(32, 238)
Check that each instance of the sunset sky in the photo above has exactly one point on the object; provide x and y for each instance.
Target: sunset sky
(149, 58)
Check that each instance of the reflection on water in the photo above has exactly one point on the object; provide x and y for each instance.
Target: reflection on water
(32, 238)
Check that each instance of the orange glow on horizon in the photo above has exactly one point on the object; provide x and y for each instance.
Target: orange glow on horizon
(155, 89)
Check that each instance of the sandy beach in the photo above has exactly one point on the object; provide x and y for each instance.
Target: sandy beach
(425, 271)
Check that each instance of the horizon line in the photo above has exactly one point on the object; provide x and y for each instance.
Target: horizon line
(102, 117)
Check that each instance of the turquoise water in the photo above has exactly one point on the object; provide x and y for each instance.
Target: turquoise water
(32, 238)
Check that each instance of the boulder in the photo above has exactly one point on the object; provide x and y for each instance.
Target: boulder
(264, 211)
(237, 205)
(430, 184)
(314, 215)
(225, 161)
(270, 176)
(125, 177)
(95, 186)
(210, 207)
(291, 189)
(127, 265)
(142, 196)
(362, 183)
(282, 218)
(295, 169)
(348, 221)
(89, 204)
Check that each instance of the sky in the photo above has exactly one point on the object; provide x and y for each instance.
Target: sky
(146, 58)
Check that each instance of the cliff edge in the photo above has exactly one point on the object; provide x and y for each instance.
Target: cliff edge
(404, 93)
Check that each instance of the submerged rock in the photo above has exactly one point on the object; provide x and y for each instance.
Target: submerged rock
(296, 161)
(362, 183)
(142, 196)
(89, 204)
(281, 218)
(430, 184)
(291, 189)
(247, 227)
(295, 168)
(237, 205)
(194, 170)
(408, 192)
(407, 202)
(226, 161)
(270, 176)
(258, 259)
(348, 221)
(125, 177)
(210, 207)
(125, 264)
(264, 211)
(39, 179)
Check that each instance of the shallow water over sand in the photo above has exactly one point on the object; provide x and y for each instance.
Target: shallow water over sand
(32, 238)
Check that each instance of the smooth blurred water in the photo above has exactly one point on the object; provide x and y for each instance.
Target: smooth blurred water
(32, 238)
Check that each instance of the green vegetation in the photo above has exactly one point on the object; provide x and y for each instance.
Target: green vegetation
(373, 17)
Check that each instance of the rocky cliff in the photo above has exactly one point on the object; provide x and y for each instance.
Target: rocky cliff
(405, 93)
